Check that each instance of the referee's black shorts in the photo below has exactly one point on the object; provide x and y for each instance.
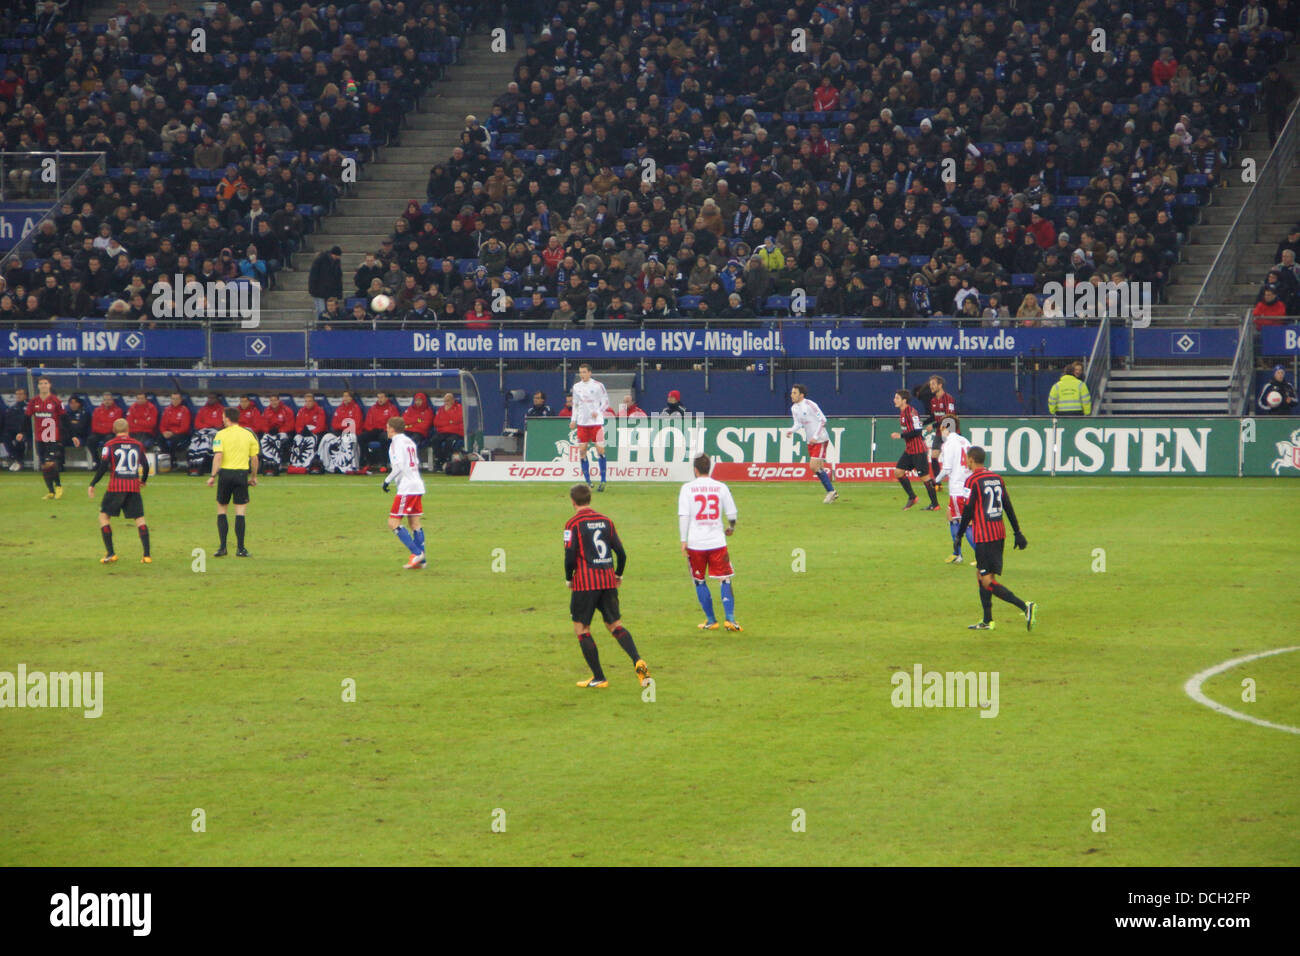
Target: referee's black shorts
(583, 606)
(130, 504)
(232, 484)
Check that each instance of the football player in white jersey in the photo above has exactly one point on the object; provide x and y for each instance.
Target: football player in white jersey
(404, 471)
(953, 467)
(588, 420)
(809, 419)
(702, 505)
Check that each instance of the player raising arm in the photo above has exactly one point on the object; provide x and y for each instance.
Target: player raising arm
(701, 507)
(123, 458)
(594, 560)
(953, 466)
(404, 471)
(987, 501)
(588, 420)
(809, 419)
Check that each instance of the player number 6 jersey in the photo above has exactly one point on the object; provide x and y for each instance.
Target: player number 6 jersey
(703, 508)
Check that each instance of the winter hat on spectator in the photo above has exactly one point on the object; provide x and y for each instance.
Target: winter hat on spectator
(676, 396)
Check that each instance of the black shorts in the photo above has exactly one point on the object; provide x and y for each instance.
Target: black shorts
(918, 462)
(50, 451)
(129, 503)
(988, 556)
(936, 440)
(583, 606)
(232, 483)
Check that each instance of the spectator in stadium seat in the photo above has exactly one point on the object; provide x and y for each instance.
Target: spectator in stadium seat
(142, 420)
(250, 417)
(174, 427)
(325, 280)
(419, 419)
(1070, 395)
(539, 408)
(101, 423)
(332, 316)
(1269, 310)
(449, 431)
(374, 432)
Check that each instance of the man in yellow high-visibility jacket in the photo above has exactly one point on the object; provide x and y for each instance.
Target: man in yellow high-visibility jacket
(1070, 396)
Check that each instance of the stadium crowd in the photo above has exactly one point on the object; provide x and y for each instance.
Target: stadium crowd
(650, 160)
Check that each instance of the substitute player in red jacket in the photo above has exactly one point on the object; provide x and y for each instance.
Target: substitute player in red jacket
(46, 412)
(987, 500)
(124, 459)
(914, 457)
(419, 419)
(594, 560)
(174, 427)
(309, 426)
(278, 420)
(142, 417)
(250, 417)
(375, 429)
(101, 422)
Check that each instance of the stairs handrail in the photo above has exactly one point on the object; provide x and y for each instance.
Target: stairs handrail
(1244, 230)
(1243, 364)
(1098, 370)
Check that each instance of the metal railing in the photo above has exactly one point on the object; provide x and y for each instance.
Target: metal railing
(1240, 384)
(1244, 231)
(1098, 371)
(85, 161)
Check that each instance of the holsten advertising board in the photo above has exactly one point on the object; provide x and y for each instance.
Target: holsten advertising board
(863, 450)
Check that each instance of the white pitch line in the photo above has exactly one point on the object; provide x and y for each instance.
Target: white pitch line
(1193, 688)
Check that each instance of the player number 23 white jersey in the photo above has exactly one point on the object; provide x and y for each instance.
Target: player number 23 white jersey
(589, 402)
(809, 419)
(704, 507)
(404, 462)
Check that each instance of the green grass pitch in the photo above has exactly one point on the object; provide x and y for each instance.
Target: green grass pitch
(223, 689)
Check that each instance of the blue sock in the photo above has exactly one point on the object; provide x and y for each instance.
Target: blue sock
(586, 470)
(601, 459)
(956, 543)
(706, 599)
(970, 537)
(728, 601)
(404, 536)
(419, 540)
(825, 477)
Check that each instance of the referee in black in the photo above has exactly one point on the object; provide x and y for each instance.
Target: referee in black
(234, 470)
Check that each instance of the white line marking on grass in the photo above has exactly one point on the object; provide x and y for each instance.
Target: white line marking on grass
(1193, 688)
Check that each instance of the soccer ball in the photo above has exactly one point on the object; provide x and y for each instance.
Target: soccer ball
(381, 303)
(1273, 399)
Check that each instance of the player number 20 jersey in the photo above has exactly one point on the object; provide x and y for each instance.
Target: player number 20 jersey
(589, 402)
(404, 462)
(703, 508)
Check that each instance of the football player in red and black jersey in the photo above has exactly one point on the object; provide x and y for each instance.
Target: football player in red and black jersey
(123, 458)
(987, 501)
(46, 412)
(942, 405)
(594, 560)
(914, 457)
